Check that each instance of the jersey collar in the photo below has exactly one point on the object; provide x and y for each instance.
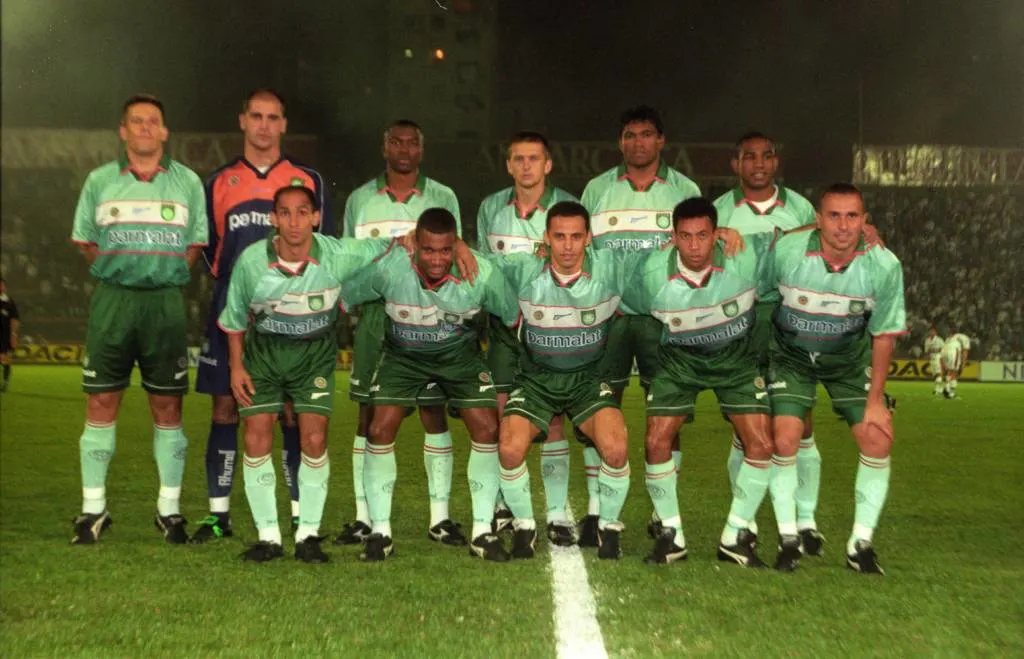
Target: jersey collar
(542, 204)
(717, 265)
(739, 199)
(451, 276)
(814, 249)
(126, 167)
(384, 188)
(256, 171)
(274, 262)
(584, 271)
(661, 176)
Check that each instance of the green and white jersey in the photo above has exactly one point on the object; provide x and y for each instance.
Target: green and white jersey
(269, 296)
(431, 318)
(623, 216)
(564, 326)
(142, 227)
(374, 210)
(707, 315)
(503, 227)
(788, 210)
(832, 307)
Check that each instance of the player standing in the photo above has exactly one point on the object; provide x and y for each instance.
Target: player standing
(511, 221)
(567, 301)
(432, 351)
(389, 205)
(141, 224)
(239, 199)
(631, 210)
(840, 311)
(933, 344)
(954, 356)
(279, 318)
(705, 303)
(9, 320)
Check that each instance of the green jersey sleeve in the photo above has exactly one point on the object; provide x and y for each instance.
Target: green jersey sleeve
(234, 319)
(517, 268)
(348, 222)
(85, 229)
(482, 244)
(499, 298)
(198, 224)
(366, 285)
(344, 256)
(889, 315)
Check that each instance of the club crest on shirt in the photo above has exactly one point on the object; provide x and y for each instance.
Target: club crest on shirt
(538, 315)
(730, 309)
(451, 318)
(612, 221)
(316, 302)
(167, 212)
(297, 181)
(588, 317)
(856, 306)
(663, 220)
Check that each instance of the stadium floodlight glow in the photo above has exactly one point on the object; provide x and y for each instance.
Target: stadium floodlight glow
(408, 53)
(439, 54)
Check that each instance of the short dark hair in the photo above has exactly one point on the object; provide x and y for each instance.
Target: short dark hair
(567, 209)
(139, 99)
(438, 221)
(694, 207)
(641, 113)
(296, 188)
(403, 123)
(531, 137)
(753, 135)
(262, 92)
(841, 188)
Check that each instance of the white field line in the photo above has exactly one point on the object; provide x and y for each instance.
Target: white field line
(577, 633)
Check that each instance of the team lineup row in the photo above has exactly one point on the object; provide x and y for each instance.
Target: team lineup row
(760, 326)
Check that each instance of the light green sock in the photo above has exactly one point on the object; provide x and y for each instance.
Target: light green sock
(438, 461)
(515, 486)
(735, 461)
(592, 465)
(747, 495)
(871, 488)
(782, 485)
(170, 448)
(95, 449)
(554, 469)
(380, 471)
(314, 474)
(614, 483)
(808, 471)
(661, 482)
(358, 455)
(677, 460)
(261, 491)
(484, 484)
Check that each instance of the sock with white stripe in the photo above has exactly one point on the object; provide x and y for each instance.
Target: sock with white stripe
(96, 448)
(439, 463)
(782, 485)
(614, 483)
(808, 472)
(554, 469)
(484, 483)
(169, 448)
(735, 461)
(871, 488)
(592, 466)
(515, 487)
(661, 480)
(380, 472)
(261, 491)
(358, 454)
(313, 476)
(747, 495)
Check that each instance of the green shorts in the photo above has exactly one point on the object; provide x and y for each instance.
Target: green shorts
(629, 338)
(128, 325)
(281, 369)
(502, 355)
(368, 343)
(793, 379)
(461, 378)
(732, 373)
(761, 332)
(540, 396)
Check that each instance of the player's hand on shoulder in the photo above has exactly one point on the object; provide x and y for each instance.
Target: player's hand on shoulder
(465, 261)
(871, 237)
(733, 240)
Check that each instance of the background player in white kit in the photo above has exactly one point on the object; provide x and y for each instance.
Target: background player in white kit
(933, 345)
(954, 357)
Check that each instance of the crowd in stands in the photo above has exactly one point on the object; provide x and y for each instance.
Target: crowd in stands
(959, 248)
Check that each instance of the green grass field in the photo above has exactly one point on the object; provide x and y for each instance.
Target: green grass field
(950, 540)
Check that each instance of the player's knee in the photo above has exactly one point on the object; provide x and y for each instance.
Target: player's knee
(486, 430)
(874, 443)
(102, 408)
(658, 447)
(616, 455)
(313, 443)
(758, 447)
(510, 455)
(382, 431)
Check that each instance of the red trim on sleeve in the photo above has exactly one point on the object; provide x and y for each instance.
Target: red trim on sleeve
(229, 331)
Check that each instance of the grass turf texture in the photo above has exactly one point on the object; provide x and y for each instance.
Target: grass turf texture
(949, 539)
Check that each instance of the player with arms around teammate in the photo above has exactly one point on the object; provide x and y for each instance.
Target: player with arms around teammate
(954, 356)
(9, 320)
(239, 199)
(631, 209)
(432, 352)
(511, 221)
(933, 344)
(389, 206)
(705, 303)
(141, 224)
(841, 308)
(567, 302)
(758, 206)
(279, 318)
